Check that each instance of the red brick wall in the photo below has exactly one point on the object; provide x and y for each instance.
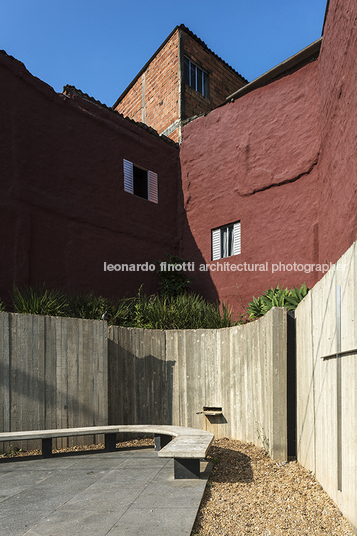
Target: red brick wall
(281, 159)
(160, 84)
(132, 104)
(63, 209)
(223, 81)
(161, 91)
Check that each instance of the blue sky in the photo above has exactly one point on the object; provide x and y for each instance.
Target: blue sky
(100, 46)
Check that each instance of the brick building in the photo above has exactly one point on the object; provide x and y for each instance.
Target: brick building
(258, 193)
(184, 78)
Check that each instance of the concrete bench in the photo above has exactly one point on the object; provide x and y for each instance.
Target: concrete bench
(187, 446)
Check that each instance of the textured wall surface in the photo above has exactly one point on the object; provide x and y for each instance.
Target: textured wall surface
(65, 372)
(167, 377)
(255, 160)
(154, 97)
(53, 375)
(223, 80)
(338, 130)
(327, 388)
(140, 377)
(281, 160)
(159, 98)
(63, 209)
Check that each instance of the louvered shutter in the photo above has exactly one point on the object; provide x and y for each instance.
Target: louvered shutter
(153, 187)
(128, 177)
(237, 241)
(216, 244)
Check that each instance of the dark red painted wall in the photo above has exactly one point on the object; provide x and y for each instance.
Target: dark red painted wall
(338, 130)
(63, 209)
(281, 159)
(255, 160)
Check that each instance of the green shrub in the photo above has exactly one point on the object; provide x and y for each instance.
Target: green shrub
(2, 306)
(256, 307)
(87, 306)
(183, 311)
(121, 312)
(295, 296)
(40, 301)
(173, 282)
(276, 297)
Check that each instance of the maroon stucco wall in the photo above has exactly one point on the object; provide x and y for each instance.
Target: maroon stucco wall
(63, 209)
(280, 159)
(283, 161)
(338, 128)
(255, 160)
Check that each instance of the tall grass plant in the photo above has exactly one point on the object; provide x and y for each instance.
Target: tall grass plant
(157, 311)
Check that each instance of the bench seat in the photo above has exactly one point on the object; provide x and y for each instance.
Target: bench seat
(186, 445)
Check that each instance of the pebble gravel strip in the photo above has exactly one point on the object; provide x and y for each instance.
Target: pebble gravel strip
(249, 493)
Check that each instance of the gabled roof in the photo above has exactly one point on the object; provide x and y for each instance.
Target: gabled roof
(203, 45)
(193, 36)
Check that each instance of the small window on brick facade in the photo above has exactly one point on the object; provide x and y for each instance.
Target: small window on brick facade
(226, 241)
(140, 182)
(195, 77)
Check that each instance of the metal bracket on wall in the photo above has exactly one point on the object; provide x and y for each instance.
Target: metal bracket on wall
(340, 354)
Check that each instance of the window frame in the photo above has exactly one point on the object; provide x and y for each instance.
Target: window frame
(151, 181)
(191, 70)
(226, 241)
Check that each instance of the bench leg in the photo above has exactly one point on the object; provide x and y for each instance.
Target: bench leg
(47, 447)
(161, 441)
(186, 468)
(110, 442)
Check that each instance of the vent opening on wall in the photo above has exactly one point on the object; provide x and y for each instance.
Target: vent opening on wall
(210, 410)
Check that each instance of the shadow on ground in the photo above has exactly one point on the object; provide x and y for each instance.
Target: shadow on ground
(229, 466)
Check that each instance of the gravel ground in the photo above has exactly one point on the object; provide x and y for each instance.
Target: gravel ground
(249, 493)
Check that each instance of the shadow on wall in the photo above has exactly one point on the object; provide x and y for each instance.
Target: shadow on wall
(202, 282)
(140, 389)
(64, 232)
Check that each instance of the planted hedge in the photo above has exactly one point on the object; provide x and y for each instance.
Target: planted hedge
(183, 311)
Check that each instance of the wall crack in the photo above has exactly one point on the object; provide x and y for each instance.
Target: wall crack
(282, 183)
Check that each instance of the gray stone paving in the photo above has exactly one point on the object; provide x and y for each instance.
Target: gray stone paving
(122, 493)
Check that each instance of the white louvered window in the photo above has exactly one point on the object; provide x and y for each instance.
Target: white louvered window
(226, 241)
(153, 190)
(140, 182)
